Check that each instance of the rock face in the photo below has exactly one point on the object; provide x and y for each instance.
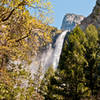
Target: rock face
(70, 21)
(93, 18)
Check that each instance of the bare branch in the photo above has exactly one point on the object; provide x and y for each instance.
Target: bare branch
(35, 30)
(5, 19)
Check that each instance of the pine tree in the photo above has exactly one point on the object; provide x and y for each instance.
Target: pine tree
(45, 83)
(92, 56)
(73, 65)
(78, 71)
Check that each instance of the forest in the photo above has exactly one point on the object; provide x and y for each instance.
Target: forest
(24, 29)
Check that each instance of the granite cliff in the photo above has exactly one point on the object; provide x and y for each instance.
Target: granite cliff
(70, 21)
(93, 18)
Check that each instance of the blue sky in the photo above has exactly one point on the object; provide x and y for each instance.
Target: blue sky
(61, 7)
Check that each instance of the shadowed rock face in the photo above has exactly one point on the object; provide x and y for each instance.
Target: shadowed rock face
(98, 1)
(70, 21)
(93, 18)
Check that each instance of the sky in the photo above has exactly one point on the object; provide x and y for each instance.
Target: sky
(61, 7)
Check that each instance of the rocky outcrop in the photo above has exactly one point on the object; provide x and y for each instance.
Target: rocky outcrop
(93, 18)
(70, 21)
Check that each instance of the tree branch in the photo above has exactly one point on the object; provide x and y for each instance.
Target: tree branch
(35, 30)
(5, 19)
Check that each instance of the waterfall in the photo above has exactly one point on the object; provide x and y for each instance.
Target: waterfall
(50, 56)
(58, 48)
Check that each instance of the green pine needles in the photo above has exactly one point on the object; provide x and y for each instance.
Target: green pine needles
(78, 73)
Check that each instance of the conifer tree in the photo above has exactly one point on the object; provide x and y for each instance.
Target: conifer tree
(78, 71)
(92, 56)
(45, 83)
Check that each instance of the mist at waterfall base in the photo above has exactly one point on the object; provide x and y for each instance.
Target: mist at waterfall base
(50, 56)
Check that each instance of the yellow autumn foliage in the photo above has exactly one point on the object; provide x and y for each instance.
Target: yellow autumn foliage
(23, 28)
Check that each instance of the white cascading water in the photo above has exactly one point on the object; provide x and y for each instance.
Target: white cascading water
(51, 56)
(58, 48)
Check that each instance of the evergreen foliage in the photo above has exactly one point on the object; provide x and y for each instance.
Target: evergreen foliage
(45, 83)
(78, 73)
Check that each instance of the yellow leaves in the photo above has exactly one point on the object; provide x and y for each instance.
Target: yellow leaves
(4, 48)
(47, 37)
(83, 89)
(11, 42)
(16, 40)
(47, 5)
(4, 76)
(21, 7)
